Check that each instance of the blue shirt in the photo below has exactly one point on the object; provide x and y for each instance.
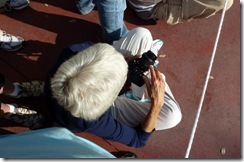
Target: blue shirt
(49, 143)
(106, 126)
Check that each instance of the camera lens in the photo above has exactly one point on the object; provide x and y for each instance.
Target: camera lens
(146, 60)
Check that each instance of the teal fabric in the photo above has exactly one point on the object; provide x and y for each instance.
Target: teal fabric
(49, 143)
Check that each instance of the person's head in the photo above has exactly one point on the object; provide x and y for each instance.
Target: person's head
(88, 83)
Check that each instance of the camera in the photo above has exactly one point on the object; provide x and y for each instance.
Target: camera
(138, 66)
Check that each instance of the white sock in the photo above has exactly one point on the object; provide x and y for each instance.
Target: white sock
(11, 108)
(16, 90)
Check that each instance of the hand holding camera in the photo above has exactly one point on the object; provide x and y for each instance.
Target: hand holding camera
(137, 67)
(155, 88)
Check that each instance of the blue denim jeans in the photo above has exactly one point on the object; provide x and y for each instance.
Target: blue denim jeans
(84, 6)
(111, 15)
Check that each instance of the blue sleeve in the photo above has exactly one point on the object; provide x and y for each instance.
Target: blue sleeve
(72, 50)
(110, 129)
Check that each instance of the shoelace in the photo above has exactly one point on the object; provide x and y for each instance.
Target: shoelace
(24, 111)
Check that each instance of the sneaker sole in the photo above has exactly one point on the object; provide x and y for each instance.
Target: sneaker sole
(11, 50)
(21, 7)
(15, 48)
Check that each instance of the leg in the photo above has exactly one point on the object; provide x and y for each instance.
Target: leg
(22, 115)
(111, 15)
(203, 8)
(169, 11)
(137, 41)
(25, 89)
(84, 6)
(132, 113)
(178, 11)
(9, 42)
(6, 87)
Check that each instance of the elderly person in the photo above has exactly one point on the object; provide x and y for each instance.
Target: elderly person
(83, 86)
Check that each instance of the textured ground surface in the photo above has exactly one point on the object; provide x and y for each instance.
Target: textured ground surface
(48, 26)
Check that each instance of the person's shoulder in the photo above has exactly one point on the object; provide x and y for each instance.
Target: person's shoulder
(80, 46)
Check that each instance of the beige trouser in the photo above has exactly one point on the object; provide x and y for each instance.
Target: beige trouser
(177, 11)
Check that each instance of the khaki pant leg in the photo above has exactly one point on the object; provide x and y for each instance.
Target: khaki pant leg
(200, 9)
(177, 11)
(168, 10)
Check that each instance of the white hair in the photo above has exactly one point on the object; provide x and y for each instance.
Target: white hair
(88, 83)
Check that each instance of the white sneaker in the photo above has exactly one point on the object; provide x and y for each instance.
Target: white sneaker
(157, 44)
(10, 42)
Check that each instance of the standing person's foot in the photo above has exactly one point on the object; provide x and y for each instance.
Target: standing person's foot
(26, 117)
(30, 89)
(16, 4)
(124, 154)
(9, 42)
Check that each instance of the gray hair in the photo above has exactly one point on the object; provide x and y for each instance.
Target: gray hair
(88, 83)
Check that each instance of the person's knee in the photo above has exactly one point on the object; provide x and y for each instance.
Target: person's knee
(222, 4)
(229, 4)
(169, 119)
(142, 31)
(176, 118)
(142, 35)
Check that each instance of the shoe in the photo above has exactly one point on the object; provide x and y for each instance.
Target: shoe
(15, 4)
(22, 110)
(84, 7)
(30, 89)
(124, 154)
(10, 42)
(26, 117)
(157, 44)
(129, 94)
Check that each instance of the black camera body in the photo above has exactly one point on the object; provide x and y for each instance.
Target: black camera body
(138, 66)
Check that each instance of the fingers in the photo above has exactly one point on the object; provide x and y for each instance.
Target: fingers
(155, 77)
(158, 75)
(147, 82)
(153, 74)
